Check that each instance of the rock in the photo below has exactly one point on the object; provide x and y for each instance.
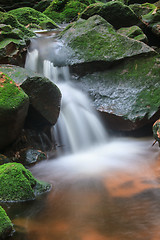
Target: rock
(45, 96)
(6, 227)
(28, 16)
(127, 94)
(13, 40)
(13, 4)
(13, 110)
(156, 131)
(4, 159)
(18, 184)
(134, 32)
(30, 147)
(114, 12)
(42, 5)
(66, 11)
(95, 45)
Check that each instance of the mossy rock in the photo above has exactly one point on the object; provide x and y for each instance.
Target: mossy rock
(28, 16)
(18, 184)
(13, 110)
(9, 19)
(6, 227)
(45, 96)
(95, 42)
(114, 12)
(134, 32)
(127, 94)
(141, 9)
(66, 11)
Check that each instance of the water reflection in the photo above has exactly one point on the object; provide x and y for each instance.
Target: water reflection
(116, 200)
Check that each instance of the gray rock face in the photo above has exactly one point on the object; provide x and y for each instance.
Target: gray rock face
(95, 45)
(127, 94)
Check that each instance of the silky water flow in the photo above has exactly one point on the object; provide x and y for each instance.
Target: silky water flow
(103, 188)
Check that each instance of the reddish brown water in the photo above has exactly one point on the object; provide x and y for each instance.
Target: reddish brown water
(114, 196)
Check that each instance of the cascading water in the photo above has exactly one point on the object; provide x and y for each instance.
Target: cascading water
(78, 126)
(108, 192)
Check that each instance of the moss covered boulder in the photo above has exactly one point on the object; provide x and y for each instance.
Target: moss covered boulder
(115, 12)
(28, 16)
(95, 45)
(6, 227)
(134, 32)
(128, 94)
(66, 11)
(42, 5)
(13, 110)
(18, 184)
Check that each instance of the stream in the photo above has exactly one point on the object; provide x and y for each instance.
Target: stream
(103, 188)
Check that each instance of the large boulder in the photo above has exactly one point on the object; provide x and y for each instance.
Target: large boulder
(30, 17)
(44, 95)
(127, 94)
(115, 12)
(13, 110)
(95, 45)
(18, 184)
(6, 227)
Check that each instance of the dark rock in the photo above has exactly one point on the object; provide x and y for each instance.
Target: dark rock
(127, 94)
(114, 12)
(134, 32)
(18, 184)
(13, 110)
(4, 159)
(13, 4)
(45, 96)
(42, 5)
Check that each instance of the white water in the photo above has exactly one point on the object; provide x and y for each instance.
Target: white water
(78, 129)
(78, 126)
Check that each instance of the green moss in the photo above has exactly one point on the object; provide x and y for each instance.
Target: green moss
(133, 32)
(6, 226)
(27, 16)
(12, 96)
(11, 20)
(96, 40)
(18, 184)
(66, 11)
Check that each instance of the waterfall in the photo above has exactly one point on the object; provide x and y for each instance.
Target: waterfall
(78, 126)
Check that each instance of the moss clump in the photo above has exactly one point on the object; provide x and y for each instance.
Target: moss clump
(8, 19)
(66, 11)
(133, 32)
(18, 184)
(6, 226)
(12, 96)
(28, 16)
